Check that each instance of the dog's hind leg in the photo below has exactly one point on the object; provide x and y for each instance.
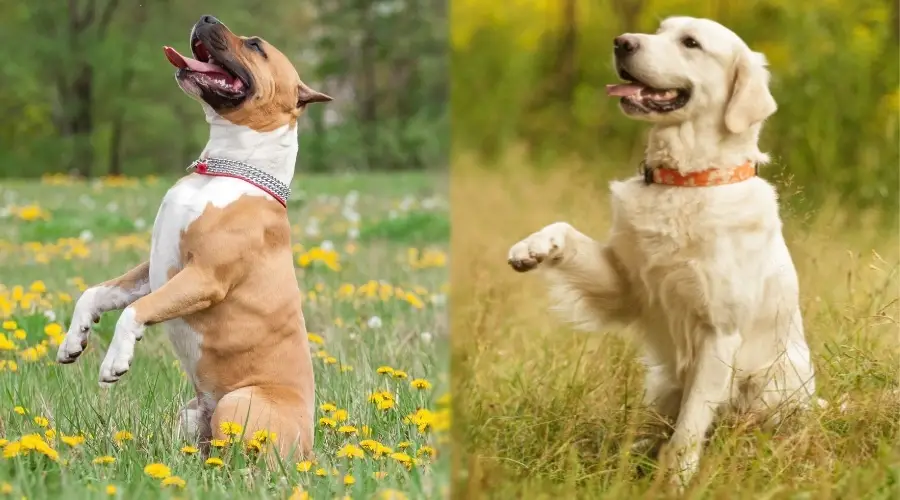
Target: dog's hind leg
(108, 296)
(586, 278)
(273, 418)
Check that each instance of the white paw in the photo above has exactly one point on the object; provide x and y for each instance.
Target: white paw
(121, 349)
(685, 464)
(546, 245)
(83, 318)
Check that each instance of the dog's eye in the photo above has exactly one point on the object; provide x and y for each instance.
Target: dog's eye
(255, 44)
(690, 42)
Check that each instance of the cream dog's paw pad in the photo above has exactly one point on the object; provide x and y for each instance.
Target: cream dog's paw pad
(545, 245)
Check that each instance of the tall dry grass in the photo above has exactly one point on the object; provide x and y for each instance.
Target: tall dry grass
(543, 411)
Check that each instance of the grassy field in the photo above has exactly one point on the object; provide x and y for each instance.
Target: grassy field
(548, 412)
(372, 262)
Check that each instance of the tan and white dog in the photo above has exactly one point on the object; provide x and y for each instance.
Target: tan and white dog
(695, 257)
(221, 275)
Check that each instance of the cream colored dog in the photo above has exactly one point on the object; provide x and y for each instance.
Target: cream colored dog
(695, 256)
(220, 275)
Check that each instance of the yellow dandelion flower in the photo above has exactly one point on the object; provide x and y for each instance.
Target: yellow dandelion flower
(189, 450)
(20, 410)
(298, 494)
(400, 374)
(385, 404)
(231, 428)
(50, 433)
(20, 334)
(348, 480)
(340, 415)
(111, 489)
(12, 366)
(350, 451)
(41, 421)
(10, 325)
(390, 494)
(426, 450)
(327, 422)
(13, 449)
(304, 466)
(6, 488)
(254, 445)
(72, 441)
(414, 300)
(327, 407)
(385, 370)
(32, 441)
(174, 481)
(345, 368)
(403, 458)
(403, 445)
(104, 460)
(218, 443)
(122, 436)
(158, 471)
(53, 329)
(383, 450)
(420, 383)
(264, 436)
(3, 442)
(330, 360)
(315, 339)
(369, 444)
(322, 354)
(38, 287)
(321, 472)
(347, 429)
(214, 462)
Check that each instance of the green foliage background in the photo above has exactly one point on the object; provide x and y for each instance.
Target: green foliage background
(84, 85)
(533, 71)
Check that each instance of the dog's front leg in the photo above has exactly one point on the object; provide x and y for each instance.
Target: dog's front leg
(585, 275)
(191, 290)
(708, 388)
(96, 300)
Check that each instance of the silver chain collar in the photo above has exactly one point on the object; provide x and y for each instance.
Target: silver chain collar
(248, 173)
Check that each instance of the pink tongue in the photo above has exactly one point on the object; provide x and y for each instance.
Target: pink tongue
(179, 61)
(623, 89)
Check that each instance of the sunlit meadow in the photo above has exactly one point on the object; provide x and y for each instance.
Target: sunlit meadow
(371, 261)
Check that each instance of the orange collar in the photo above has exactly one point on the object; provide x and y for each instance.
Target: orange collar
(703, 178)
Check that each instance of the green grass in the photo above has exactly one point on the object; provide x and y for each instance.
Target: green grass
(113, 221)
(550, 412)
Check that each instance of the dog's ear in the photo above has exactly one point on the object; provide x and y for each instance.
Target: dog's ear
(751, 102)
(306, 95)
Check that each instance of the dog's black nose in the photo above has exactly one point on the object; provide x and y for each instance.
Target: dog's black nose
(208, 20)
(625, 45)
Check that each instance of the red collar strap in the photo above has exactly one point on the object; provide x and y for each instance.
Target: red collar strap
(703, 178)
(220, 167)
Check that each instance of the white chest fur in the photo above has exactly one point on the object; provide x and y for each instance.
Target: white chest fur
(181, 206)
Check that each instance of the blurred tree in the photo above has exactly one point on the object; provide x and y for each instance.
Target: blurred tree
(92, 93)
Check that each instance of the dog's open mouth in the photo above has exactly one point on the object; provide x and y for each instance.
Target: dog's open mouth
(218, 79)
(639, 97)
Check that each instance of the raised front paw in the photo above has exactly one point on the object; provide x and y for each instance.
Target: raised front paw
(546, 245)
(76, 339)
(121, 349)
